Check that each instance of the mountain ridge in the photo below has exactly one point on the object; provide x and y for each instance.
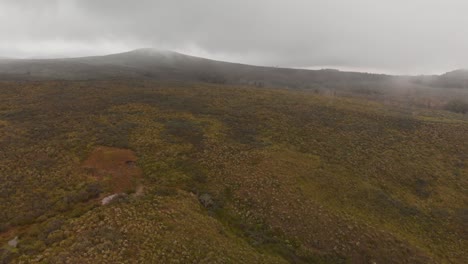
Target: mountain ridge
(169, 65)
(158, 52)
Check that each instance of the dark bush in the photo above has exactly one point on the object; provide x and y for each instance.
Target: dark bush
(166, 191)
(184, 130)
(422, 188)
(457, 106)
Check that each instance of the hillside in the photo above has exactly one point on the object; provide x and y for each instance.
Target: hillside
(167, 65)
(454, 79)
(212, 173)
(450, 80)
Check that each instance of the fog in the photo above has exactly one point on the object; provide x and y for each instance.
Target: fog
(404, 37)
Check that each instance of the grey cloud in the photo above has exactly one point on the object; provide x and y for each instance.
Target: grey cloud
(394, 36)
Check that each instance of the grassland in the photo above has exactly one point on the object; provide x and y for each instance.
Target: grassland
(229, 174)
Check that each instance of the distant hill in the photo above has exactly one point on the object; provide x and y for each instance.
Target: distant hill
(454, 79)
(457, 78)
(168, 65)
(460, 74)
(172, 66)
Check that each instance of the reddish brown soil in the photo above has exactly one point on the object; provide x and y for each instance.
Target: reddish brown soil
(115, 167)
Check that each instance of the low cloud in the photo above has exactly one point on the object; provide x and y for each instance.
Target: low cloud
(390, 36)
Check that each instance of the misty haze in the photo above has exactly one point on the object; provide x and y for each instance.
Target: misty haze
(233, 131)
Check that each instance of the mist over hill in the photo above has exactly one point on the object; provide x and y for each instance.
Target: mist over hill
(434, 91)
(451, 80)
(172, 66)
(162, 64)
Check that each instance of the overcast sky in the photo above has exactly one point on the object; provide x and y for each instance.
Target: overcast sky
(392, 36)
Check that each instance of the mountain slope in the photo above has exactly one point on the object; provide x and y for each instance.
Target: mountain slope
(228, 174)
(163, 65)
(454, 79)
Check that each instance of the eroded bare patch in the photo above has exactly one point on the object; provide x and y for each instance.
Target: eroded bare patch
(116, 168)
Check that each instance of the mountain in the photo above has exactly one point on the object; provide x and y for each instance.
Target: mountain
(168, 65)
